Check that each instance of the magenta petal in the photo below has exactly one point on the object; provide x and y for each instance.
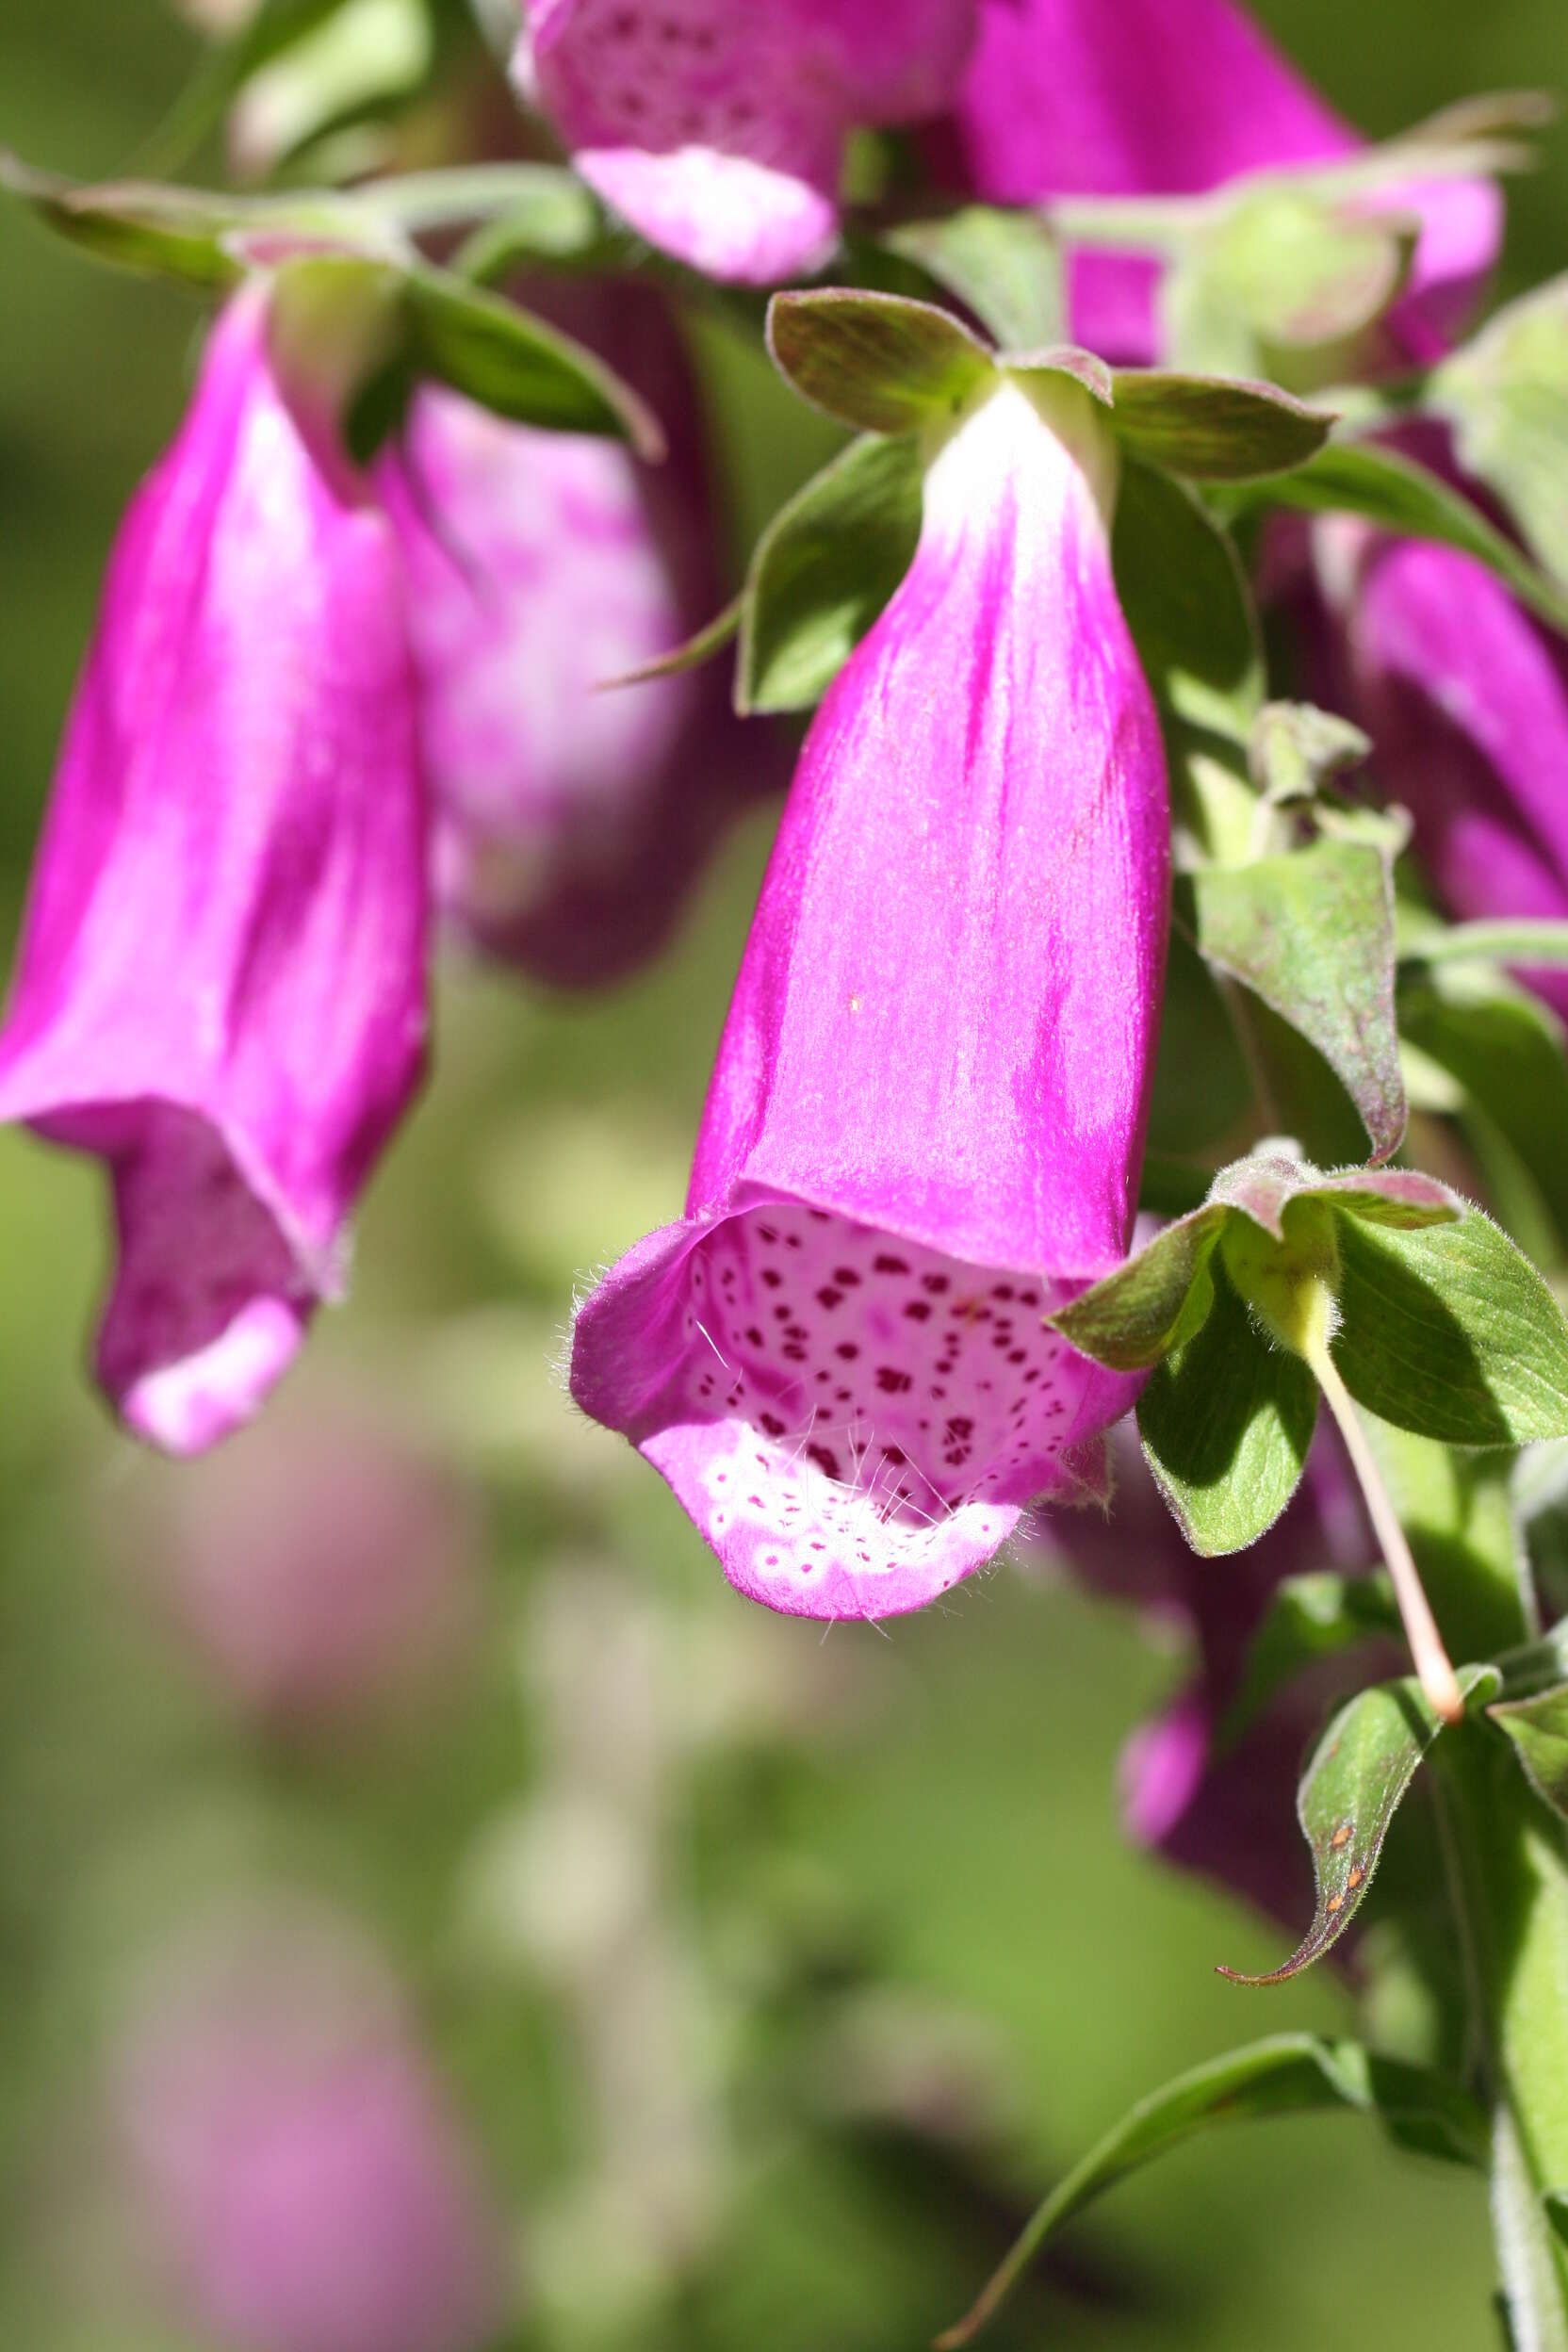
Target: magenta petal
(1466, 700)
(1171, 97)
(569, 815)
(719, 132)
(926, 1124)
(219, 987)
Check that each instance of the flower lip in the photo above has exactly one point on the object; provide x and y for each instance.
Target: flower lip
(853, 1419)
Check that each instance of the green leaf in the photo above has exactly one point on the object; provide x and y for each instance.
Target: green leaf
(1539, 1730)
(1450, 1332)
(1556, 2202)
(1003, 267)
(1312, 933)
(1188, 604)
(517, 366)
(1509, 1058)
(1360, 1772)
(1506, 395)
(1286, 2074)
(1226, 1420)
(824, 569)
(483, 347)
(1159, 1298)
(1355, 477)
(1212, 427)
(876, 361)
(1310, 1617)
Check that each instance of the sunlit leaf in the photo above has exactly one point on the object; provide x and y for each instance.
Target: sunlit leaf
(1361, 1768)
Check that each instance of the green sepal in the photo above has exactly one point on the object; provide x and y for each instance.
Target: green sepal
(1006, 267)
(1508, 1056)
(1212, 427)
(1286, 2074)
(1350, 1793)
(487, 349)
(1356, 478)
(1160, 1296)
(878, 363)
(824, 569)
(1312, 933)
(1226, 1420)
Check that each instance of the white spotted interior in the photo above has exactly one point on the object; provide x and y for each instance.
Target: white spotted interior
(665, 75)
(886, 1409)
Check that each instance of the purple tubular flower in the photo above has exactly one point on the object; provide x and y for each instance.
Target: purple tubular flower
(219, 987)
(1226, 1813)
(297, 2169)
(1166, 98)
(719, 132)
(925, 1125)
(1466, 700)
(567, 818)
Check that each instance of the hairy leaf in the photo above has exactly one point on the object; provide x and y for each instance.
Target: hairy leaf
(1312, 933)
(1450, 1332)
(1226, 1420)
(1351, 1789)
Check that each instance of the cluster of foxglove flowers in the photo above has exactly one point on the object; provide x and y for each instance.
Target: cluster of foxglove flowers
(326, 703)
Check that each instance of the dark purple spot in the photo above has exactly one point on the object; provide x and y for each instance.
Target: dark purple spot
(886, 1263)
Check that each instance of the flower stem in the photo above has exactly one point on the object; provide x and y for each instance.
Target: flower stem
(1433, 1667)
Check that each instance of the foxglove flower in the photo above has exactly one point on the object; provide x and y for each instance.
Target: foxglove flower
(568, 815)
(719, 132)
(1167, 98)
(926, 1124)
(293, 2162)
(1224, 1809)
(1466, 700)
(219, 987)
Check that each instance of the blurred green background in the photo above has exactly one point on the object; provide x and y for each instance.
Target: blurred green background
(771, 1976)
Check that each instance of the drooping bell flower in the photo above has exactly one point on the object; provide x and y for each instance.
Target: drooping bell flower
(1466, 697)
(289, 2159)
(1220, 1807)
(568, 814)
(1171, 98)
(220, 989)
(926, 1124)
(719, 131)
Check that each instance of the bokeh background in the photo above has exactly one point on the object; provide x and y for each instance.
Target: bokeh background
(434, 1914)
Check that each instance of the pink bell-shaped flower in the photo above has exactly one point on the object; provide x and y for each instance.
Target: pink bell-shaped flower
(719, 131)
(220, 985)
(925, 1125)
(1171, 98)
(568, 814)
